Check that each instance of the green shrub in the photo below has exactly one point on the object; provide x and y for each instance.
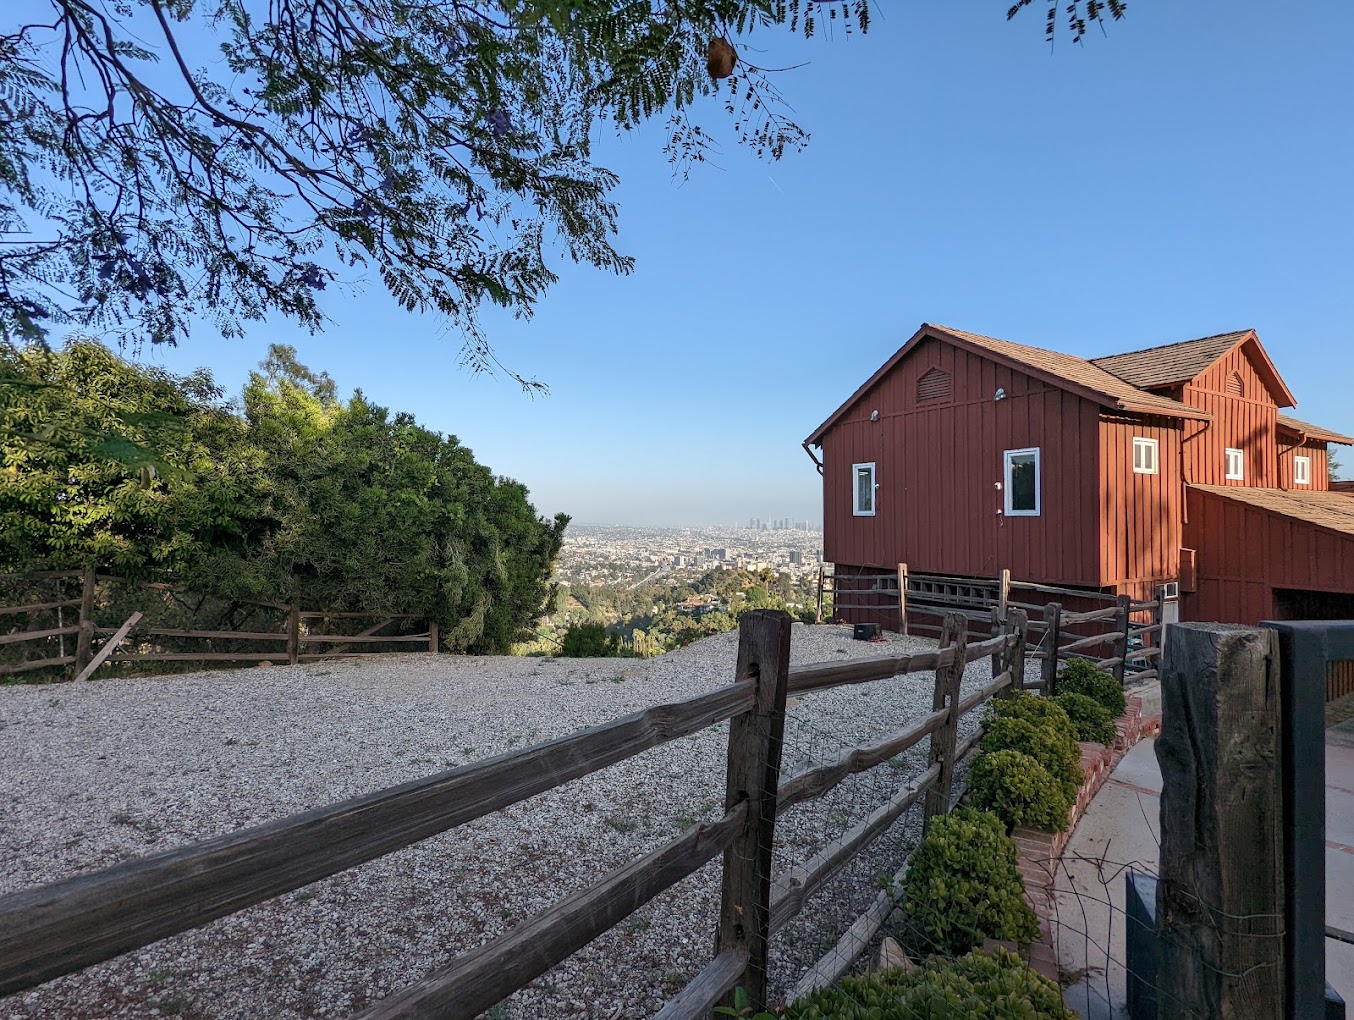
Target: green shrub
(589, 641)
(1018, 790)
(1052, 744)
(974, 987)
(1082, 677)
(963, 886)
(1090, 717)
(1031, 706)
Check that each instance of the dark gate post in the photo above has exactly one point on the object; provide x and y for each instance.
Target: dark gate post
(1221, 899)
(1126, 608)
(754, 775)
(1305, 651)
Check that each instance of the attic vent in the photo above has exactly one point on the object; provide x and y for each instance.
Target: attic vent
(934, 385)
(1235, 387)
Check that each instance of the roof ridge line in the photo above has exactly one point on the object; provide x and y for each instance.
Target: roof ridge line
(1174, 343)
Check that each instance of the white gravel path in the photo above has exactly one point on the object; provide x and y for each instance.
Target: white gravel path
(101, 772)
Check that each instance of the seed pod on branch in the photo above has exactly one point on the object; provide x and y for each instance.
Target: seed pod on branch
(720, 58)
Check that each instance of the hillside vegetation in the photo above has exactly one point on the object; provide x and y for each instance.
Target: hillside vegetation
(287, 493)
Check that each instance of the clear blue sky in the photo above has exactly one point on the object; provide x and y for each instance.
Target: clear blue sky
(1186, 174)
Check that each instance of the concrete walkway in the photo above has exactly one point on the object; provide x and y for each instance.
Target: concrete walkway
(1121, 830)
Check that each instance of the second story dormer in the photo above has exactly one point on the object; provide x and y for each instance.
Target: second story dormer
(1231, 378)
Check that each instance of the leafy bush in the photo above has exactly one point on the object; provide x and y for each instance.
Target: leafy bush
(1082, 677)
(1090, 717)
(963, 886)
(1053, 744)
(1018, 790)
(1034, 707)
(589, 641)
(974, 987)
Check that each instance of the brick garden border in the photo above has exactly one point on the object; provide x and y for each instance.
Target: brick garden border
(1041, 852)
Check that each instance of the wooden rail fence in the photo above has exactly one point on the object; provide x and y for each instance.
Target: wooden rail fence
(1132, 629)
(301, 639)
(59, 928)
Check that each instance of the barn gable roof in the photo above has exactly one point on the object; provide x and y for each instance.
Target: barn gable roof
(1065, 371)
(1179, 363)
(1310, 431)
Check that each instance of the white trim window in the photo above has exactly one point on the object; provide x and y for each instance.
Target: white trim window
(1235, 462)
(863, 488)
(1021, 484)
(1302, 470)
(1144, 456)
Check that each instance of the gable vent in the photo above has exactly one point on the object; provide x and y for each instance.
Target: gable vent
(934, 385)
(1235, 387)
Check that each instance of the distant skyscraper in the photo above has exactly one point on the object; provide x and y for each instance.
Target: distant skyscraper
(796, 557)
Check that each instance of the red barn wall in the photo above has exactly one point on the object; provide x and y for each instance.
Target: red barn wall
(1245, 552)
(1140, 514)
(1247, 423)
(1320, 465)
(937, 465)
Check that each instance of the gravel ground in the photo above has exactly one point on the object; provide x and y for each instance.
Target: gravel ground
(102, 772)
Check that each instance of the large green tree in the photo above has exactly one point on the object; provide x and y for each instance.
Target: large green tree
(291, 496)
(165, 162)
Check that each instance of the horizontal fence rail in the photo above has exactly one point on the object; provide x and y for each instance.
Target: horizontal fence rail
(58, 928)
(62, 927)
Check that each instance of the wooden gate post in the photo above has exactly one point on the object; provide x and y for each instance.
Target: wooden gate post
(1126, 610)
(432, 636)
(84, 642)
(953, 634)
(999, 628)
(294, 634)
(1019, 626)
(754, 776)
(1053, 618)
(902, 599)
(1221, 898)
(1003, 591)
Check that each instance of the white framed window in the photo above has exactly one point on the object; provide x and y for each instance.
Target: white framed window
(1302, 470)
(1236, 465)
(1144, 456)
(1022, 482)
(862, 490)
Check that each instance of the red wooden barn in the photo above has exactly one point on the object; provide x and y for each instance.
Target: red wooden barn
(964, 454)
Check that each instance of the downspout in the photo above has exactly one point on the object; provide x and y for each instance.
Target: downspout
(807, 449)
(1302, 441)
(1184, 469)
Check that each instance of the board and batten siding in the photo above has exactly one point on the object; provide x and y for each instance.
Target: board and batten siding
(1245, 552)
(1248, 423)
(1320, 465)
(938, 464)
(1140, 514)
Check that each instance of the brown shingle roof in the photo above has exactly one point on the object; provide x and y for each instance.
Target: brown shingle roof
(1066, 371)
(1103, 386)
(1333, 510)
(1169, 364)
(1313, 431)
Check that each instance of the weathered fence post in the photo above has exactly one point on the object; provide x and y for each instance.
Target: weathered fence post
(1126, 611)
(1003, 591)
(294, 634)
(432, 636)
(1053, 616)
(953, 634)
(84, 641)
(822, 571)
(753, 776)
(1221, 898)
(1018, 625)
(902, 598)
